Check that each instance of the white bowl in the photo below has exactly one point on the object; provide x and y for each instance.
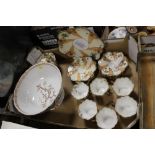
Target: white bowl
(37, 89)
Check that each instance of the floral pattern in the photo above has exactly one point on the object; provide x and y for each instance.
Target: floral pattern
(48, 93)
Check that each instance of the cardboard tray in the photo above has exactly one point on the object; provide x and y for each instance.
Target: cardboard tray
(146, 70)
(67, 113)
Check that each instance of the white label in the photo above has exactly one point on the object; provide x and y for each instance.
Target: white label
(91, 29)
(33, 56)
(133, 49)
(80, 44)
(50, 42)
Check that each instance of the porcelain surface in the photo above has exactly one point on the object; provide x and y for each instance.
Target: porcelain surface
(37, 89)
